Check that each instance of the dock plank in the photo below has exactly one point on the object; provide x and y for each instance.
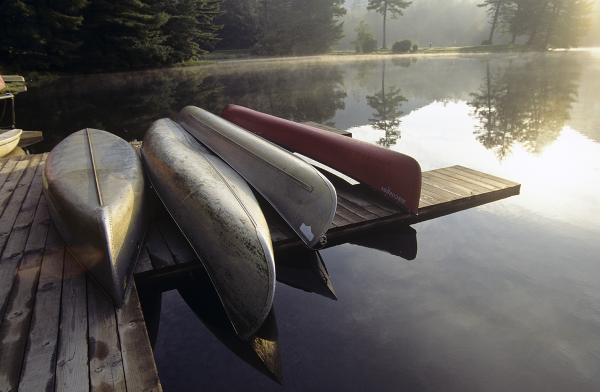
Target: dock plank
(39, 364)
(13, 240)
(14, 327)
(106, 363)
(138, 361)
(72, 367)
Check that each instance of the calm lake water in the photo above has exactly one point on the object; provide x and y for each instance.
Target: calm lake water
(501, 297)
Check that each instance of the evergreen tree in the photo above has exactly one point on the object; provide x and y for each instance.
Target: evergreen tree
(394, 7)
(299, 26)
(40, 34)
(124, 33)
(365, 42)
(240, 21)
(189, 30)
(496, 8)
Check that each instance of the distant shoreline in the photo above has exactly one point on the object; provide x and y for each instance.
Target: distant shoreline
(245, 56)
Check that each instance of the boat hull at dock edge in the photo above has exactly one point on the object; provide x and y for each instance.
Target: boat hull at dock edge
(390, 173)
(220, 217)
(300, 194)
(94, 184)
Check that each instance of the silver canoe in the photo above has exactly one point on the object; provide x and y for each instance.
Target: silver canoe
(219, 216)
(94, 185)
(303, 197)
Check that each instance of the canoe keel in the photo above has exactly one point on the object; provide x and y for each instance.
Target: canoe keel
(96, 202)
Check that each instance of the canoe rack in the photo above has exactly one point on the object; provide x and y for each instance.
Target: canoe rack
(58, 329)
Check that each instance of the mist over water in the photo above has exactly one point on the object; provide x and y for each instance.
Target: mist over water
(499, 297)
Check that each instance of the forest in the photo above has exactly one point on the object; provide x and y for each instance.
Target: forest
(92, 35)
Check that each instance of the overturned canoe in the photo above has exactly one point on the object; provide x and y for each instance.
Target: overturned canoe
(94, 185)
(303, 197)
(395, 175)
(9, 140)
(220, 217)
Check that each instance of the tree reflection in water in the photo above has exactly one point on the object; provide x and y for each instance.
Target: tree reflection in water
(526, 103)
(386, 118)
(127, 103)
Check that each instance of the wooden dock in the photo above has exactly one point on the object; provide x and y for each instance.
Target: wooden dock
(58, 331)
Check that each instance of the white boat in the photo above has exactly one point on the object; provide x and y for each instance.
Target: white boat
(94, 185)
(9, 140)
(218, 214)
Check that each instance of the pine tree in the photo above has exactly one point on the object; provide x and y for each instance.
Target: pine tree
(299, 26)
(394, 7)
(189, 30)
(59, 24)
(40, 34)
(496, 8)
(240, 21)
(17, 30)
(124, 33)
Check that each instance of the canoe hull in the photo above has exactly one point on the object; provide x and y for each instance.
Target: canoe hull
(94, 184)
(303, 197)
(9, 140)
(395, 175)
(221, 219)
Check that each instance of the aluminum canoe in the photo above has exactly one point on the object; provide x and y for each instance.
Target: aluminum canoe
(394, 175)
(94, 184)
(219, 215)
(303, 197)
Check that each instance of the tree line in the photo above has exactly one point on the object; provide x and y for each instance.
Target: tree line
(115, 34)
(541, 23)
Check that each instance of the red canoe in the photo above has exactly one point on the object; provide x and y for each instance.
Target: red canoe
(396, 175)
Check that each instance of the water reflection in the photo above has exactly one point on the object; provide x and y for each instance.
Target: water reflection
(396, 241)
(387, 104)
(261, 351)
(127, 103)
(305, 269)
(527, 103)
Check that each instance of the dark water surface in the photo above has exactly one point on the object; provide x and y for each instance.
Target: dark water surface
(500, 297)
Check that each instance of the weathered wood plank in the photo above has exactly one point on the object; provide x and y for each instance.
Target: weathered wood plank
(9, 188)
(39, 365)
(471, 179)
(7, 167)
(502, 182)
(14, 327)
(140, 369)
(356, 209)
(106, 363)
(449, 187)
(461, 182)
(16, 238)
(72, 371)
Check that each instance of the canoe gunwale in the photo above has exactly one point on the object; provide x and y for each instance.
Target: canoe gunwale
(319, 239)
